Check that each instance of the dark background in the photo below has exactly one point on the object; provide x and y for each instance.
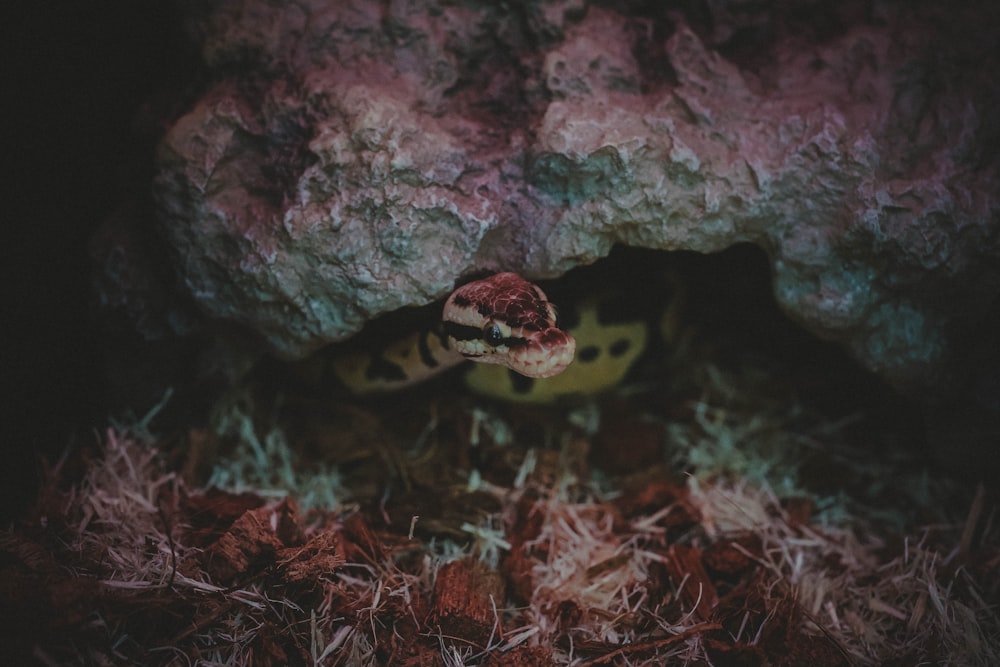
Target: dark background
(76, 75)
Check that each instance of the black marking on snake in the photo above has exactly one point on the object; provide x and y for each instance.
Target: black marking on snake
(462, 332)
(381, 368)
(521, 384)
(461, 301)
(620, 347)
(438, 332)
(588, 353)
(567, 319)
(425, 350)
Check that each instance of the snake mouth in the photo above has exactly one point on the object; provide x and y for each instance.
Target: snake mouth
(543, 355)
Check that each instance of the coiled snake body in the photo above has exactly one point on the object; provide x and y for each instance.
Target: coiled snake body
(509, 326)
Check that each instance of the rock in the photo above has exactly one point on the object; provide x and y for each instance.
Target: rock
(351, 158)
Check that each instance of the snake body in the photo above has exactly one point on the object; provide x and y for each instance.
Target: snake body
(509, 326)
(502, 320)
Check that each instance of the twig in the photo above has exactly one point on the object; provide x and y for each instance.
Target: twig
(170, 544)
(653, 644)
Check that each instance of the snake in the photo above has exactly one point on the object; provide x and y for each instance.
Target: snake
(526, 348)
(506, 320)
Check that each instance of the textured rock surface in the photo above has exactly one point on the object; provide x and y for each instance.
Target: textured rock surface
(350, 158)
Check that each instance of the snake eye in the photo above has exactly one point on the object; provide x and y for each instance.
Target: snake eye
(492, 335)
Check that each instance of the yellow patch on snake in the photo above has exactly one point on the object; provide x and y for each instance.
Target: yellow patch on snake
(605, 353)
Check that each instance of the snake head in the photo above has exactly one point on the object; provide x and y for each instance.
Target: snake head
(506, 320)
